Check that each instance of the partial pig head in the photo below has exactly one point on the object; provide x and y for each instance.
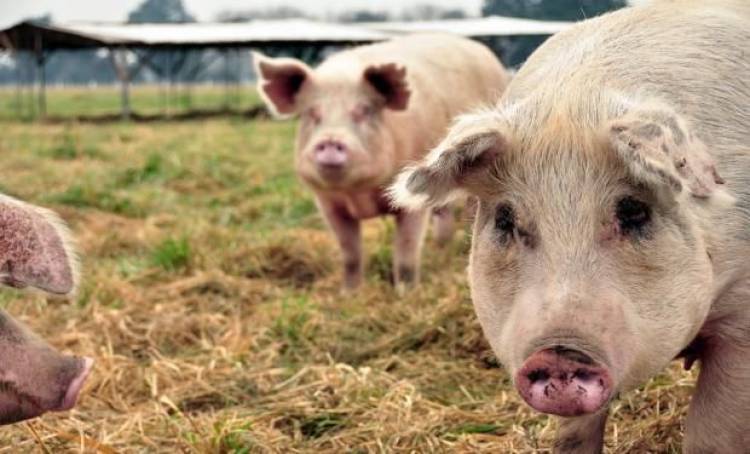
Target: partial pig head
(588, 270)
(341, 142)
(35, 252)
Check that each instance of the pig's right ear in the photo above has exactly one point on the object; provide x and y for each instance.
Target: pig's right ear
(460, 164)
(35, 249)
(280, 81)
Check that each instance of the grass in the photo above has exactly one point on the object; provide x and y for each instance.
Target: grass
(211, 304)
(106, 100)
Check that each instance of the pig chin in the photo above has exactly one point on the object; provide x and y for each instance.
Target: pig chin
(19, 402)
(350, 177)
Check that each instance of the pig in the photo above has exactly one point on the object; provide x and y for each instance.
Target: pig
(366, 112)
(612, 233)
(35, 252)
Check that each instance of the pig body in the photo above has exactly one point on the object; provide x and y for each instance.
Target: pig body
(35, 252)
(613, 182)
(367, 112)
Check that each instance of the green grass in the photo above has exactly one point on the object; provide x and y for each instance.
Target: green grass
(65, 102)
(172, 254)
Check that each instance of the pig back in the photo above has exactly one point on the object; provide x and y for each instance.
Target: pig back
(447, 75)
(691, 54)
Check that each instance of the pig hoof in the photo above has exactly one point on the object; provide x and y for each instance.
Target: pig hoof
(406, 275)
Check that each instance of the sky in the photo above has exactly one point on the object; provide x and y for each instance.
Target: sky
(12, 11)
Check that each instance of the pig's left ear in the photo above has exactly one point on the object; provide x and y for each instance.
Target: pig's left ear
(658, 149)
(389, 81)
(35, 249)
(463, 163)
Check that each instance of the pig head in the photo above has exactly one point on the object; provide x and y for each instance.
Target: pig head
(589, 271)
(342, 142)
(35, 252)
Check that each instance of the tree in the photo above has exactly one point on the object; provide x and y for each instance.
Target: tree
(363, 16)
(279, 12)
(563, 10)
(515, 51)
(160, 11)
(425, 12)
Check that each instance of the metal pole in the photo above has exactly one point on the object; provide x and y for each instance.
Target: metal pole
(170, 75)
(39, 51)
(120, 64)
(227, 95)
(19, 86)
(32, 83)
(238, 81)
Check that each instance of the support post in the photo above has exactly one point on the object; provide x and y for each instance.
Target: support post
(40, 58)
(120, 64)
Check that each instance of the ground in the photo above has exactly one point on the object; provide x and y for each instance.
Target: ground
(211, 305)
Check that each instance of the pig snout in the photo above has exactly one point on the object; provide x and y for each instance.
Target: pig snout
(331, 154)
(564, 382)
(75, 386)
(19, 401)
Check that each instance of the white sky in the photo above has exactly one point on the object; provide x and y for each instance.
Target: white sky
(12, 11)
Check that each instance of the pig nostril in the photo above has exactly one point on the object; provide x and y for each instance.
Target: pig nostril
(583, 374)
(538, 375)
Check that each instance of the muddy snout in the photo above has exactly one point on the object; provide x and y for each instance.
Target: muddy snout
(330, 155)
(564, 382)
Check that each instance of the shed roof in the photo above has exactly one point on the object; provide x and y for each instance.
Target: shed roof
(26, 35)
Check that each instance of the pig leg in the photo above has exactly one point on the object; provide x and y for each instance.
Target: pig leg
(443, 225)
(581, 435)
(348, 234)
(720, 409)
(410, 230)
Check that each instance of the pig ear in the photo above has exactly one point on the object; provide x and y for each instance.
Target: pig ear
(389, 81)
(457, 166)
(35, 249)
(659, 149)
(280, 81)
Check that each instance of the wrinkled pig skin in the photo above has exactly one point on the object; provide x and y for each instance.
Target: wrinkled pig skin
(35, 252)
(363, 115)
(613, 228)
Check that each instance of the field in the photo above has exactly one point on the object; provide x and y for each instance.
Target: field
(104, 101)
(211, 304)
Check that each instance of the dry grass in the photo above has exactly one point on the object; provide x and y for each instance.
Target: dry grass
(211, 305)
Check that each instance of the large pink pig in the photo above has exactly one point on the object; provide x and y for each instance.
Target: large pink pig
(613, 228)
(35, 252)
(365, 113)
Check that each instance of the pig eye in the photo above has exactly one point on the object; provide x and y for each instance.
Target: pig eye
(361, 113)
(505, 222)
(632, 215)
(313, 115)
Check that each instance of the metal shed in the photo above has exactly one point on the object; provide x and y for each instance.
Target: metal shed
(131, 46)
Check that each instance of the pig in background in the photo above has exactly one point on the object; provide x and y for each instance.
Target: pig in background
(35, 252)
(613, 228)
(367, 112)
